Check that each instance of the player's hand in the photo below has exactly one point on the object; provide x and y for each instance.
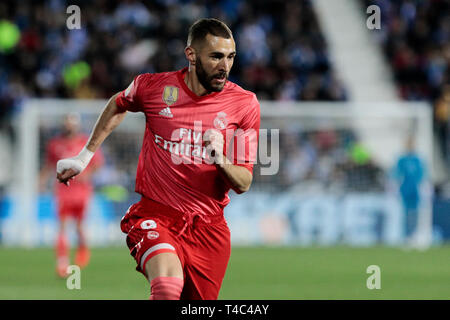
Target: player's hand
(67, 169)
(66, 176)
(214, 145)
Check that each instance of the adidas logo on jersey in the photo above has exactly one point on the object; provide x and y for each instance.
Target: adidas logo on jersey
(166, 112)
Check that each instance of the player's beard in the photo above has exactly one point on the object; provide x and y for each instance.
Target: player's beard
(206, 80)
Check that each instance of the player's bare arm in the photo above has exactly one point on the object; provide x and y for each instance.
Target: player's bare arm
(109, 119)
(238, 177)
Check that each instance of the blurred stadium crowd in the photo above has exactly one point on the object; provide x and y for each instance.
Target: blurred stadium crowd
(415, 37)
(327, 160)
(282, 55)
(281, 52)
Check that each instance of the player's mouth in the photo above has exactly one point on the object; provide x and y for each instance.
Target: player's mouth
(220, 78)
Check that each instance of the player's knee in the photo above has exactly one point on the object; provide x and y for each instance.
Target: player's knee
(165, 274)
(163, 265)
(166, 288)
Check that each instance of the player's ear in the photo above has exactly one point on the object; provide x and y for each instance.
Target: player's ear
(190, 55)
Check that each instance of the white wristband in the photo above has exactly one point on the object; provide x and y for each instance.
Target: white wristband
(77, 163)
(85, 156)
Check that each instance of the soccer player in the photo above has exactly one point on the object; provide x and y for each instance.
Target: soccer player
(71, 202)
(410, 173)
(194, 117)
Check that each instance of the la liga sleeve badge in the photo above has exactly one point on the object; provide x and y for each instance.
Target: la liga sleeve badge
(170, 95)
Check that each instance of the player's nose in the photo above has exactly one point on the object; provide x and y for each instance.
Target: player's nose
(224, 66)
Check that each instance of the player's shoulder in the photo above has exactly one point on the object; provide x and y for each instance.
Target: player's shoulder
(152, 78)
(241, 94)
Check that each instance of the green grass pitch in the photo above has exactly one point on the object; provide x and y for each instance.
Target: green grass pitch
(253, 273)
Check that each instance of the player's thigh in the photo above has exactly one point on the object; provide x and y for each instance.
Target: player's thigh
(165, 264)
(154, 247)
(208, 262)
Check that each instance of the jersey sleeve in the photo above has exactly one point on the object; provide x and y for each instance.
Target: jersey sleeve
(130, 99)
(245, 145)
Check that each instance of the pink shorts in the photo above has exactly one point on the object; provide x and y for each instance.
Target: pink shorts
(202, 243)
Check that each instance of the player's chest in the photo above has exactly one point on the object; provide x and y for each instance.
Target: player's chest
(172, 112)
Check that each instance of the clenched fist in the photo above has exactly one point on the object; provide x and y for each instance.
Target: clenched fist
(67, 169)
(214, 145)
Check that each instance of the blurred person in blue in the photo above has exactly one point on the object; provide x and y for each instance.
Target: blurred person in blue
(410, 174)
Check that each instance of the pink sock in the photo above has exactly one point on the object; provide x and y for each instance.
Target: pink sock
(166, 288)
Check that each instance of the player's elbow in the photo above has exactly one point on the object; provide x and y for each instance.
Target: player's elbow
(242, 188)
(242, 181)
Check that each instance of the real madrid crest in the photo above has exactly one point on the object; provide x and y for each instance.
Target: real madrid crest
(220, 122)
(170, 95)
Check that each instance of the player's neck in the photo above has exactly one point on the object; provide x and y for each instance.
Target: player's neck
(193, 84)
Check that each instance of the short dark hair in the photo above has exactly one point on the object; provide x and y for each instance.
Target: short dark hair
(200, 28)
